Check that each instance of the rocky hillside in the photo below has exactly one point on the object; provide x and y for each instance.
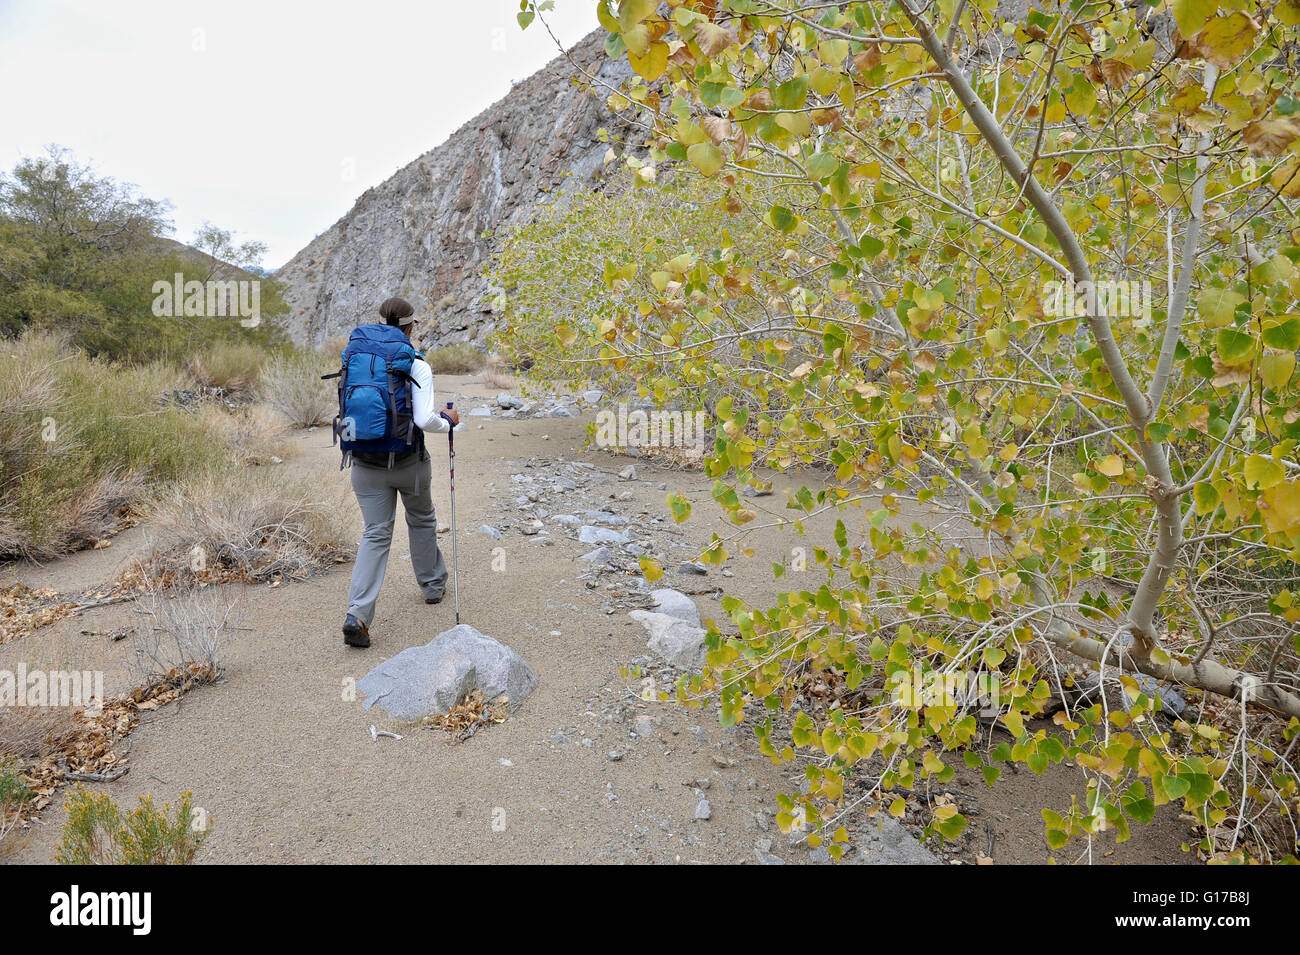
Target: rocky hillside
(425, 233)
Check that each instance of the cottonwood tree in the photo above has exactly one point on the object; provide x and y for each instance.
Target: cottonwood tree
(1029, 305)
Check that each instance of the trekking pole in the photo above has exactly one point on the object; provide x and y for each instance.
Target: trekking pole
(455, 566)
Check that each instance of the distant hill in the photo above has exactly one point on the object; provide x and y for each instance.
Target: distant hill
(421, 234)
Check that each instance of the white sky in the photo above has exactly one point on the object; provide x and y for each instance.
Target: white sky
(267, 118)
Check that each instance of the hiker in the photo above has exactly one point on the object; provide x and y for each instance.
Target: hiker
(386, 405)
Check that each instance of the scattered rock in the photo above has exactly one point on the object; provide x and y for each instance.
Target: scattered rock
(509, 401)
(679, 643)
(676, 604)
(888, 843)
(600, 535)
(480, 412)
(490, 531)
(703, 808)
(627, 474)
(691, 567)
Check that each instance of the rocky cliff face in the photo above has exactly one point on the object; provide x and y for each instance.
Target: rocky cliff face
(423, 234)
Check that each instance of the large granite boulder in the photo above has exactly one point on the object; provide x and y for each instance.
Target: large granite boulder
(427, 680)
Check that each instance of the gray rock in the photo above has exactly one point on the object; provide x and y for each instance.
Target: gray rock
(600, 555)
(531, 527)
(627, 474)
(592, 396)
(889, 843)
(763, 852)
(507, 400)
(561, 412)
(600, 535)
(480, 412)
(490, 531)
(676, 604)
(568, 520)
(690, 567)
(421, 681)
(703, 808)
(675, 640)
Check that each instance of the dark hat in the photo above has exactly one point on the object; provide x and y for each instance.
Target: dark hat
(397, 311)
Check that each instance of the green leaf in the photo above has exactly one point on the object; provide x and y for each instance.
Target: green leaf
(822, 165)
(705, 157)
(1262, 473)
(1191, 15)
(1234, 346)
(783, 219)
(1284, 334)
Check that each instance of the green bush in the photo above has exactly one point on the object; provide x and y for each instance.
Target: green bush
(98, 833)
(81, 439)
(14, 791)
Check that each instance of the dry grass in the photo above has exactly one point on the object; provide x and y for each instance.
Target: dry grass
(34, 732)
(234, 367)
(497, 374)
(254, 432)
(243, 526)
(292, 386)
(455, 360)
(80, 441)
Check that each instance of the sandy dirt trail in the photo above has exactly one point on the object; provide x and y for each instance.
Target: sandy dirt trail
(286, 765)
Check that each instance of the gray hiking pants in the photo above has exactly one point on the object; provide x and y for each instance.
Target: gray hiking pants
(377, 490)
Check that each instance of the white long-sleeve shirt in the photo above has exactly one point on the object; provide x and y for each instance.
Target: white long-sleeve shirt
(424, 408)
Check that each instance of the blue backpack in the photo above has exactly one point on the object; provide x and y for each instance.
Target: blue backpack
(375, 418)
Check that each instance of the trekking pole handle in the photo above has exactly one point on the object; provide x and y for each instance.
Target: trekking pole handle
(452, 428)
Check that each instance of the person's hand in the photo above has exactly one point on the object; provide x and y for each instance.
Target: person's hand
(452, 415)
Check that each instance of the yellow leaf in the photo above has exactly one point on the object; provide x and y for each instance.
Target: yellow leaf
(1280, 507)
(1111, 465)
(651, 66)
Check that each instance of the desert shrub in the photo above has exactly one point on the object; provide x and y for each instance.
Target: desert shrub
(232, 366)
(182, 637)
(80, 440)
(497, 374)
(460, 359)
(246, 526)
(97, 832)
(253, 432)
(14, 794)
(291, 385)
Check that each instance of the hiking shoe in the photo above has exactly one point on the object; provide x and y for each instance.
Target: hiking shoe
(355, 633)
(435, 599)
